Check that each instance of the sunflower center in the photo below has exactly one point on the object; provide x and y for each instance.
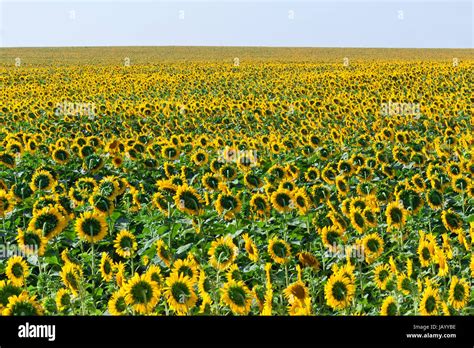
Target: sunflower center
(142, 292)
(373, 245)
(72, 280)
(186, 271)
(47, 223)
(42, 181)
(190, 201)
(180, 292)
(339, 291)
(17, 270)
(396, 215)
(24, 309)
(459, 292)
(452, 220)
(299, 292)
(237, 295)
(425, 253)
(430, 304)
(392, 309)
(359, 219)
(279, 249)
(120, 304)
(228, 202)
(283, 200)
(383, 275)
(223, 253)
(107, 267)
(91, 227)
(126, 243)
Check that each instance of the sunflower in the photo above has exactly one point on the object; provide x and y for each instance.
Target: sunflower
(60, 155)
(49, 221)
(200, 158)
(22, 305)
(259, 205)
(250, 247)
(42, 180)
(396, 215)
(430, 302)
(312, 174)
(440, 259)
(459, 292)
(252, 181)
(117, 161)
(7, 289)
(170, 152)
(228, 205)
(142, 293)
(7, 202)
(300, 308)
(108, 187)
(307, 259)
(222, 253)
(279, 250)
(8, 160)
(31, 242)
(357, 219)
(389, 306)
(339, 291)
(434, 198)
(71, 275)
(186, 267)
(210, 181)
(204, 286)
(410, 199)
(117, 304)
(188, 200)
(119, 273)
(125, 244)
(100, 203)
(228, 172)
(342, 186)
(233, 273)
(63, 299)
(106, 267)
(154, 272)
(17, 270)
(329, 175)
(330, 236)
(159, 201)
(163, 252)
(426, 252)
(373, 247)
(91, 227)
(282, 200)
(301, 201)
(296, 292)
(451, 220)
(382, 275)
(237, 296)
(179, 293)
(404, 284)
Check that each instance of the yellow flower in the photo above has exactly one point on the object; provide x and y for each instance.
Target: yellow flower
(279, 250)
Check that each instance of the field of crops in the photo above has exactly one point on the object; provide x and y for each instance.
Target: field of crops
(238, 181)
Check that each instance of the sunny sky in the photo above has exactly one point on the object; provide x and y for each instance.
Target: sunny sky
(316, 23)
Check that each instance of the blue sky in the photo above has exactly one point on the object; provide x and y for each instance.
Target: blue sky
(314, 23)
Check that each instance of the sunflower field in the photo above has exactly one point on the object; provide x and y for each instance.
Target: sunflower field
(301, 183)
